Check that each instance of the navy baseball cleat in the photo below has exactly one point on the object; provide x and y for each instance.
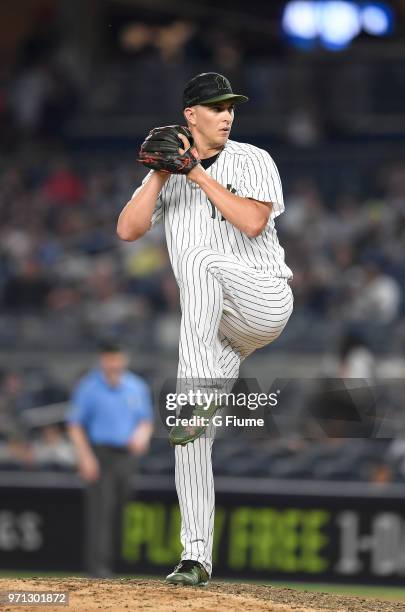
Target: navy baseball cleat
(189, 573)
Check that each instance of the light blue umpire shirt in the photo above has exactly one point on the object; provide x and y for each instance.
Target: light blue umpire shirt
(110, 415)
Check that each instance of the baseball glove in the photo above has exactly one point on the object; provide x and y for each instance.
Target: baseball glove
(160, 150)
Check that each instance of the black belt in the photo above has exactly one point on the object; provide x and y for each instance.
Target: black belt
(111, 448)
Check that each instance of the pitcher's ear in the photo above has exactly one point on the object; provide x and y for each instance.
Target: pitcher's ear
(189, 115)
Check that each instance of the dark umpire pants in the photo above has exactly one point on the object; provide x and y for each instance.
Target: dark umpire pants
(104, 501)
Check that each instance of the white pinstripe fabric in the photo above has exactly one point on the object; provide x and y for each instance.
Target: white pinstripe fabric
(235, 298)
(228, 310)
(190, 219)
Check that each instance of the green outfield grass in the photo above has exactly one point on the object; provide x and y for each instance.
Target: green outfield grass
(376, 592)
(361, 590)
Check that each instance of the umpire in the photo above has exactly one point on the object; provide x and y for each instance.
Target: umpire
(110, 423)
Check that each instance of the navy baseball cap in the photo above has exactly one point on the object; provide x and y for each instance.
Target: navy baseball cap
(209, 87)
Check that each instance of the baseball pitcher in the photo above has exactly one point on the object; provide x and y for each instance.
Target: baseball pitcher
(218, 199)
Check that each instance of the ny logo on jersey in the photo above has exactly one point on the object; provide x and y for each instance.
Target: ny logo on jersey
(214, 210)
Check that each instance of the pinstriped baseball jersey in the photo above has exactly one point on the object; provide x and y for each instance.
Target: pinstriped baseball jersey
(191, 219)
(235, 298)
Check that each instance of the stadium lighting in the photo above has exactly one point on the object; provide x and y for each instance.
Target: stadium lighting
(377, 19)
(339, 22)
(300, 20)
(334, 23)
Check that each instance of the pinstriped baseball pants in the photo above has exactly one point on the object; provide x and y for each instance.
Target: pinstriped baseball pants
(228, 311)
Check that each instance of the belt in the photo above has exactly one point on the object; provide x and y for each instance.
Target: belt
(111, 448)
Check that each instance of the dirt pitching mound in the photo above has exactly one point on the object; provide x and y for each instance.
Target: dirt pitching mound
(124, 595)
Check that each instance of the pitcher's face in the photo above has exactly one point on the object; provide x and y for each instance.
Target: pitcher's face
(212, 122)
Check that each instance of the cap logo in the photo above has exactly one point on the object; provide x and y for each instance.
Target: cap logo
(221, 82)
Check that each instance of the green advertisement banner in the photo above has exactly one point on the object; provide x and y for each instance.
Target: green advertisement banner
(351, 538)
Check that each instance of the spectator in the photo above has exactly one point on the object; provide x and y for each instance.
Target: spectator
(14, 400)
(28, 290)
(52, 450)
(378, 297)
(27, 97)
(110, 424)
(63, 185)
(356, 359)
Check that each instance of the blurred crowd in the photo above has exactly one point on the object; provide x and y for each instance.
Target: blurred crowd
(25, 443)
(54, 86)
(330, 434)
(66, 279)
(64, 276)
(63, 270)
(347, 261)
